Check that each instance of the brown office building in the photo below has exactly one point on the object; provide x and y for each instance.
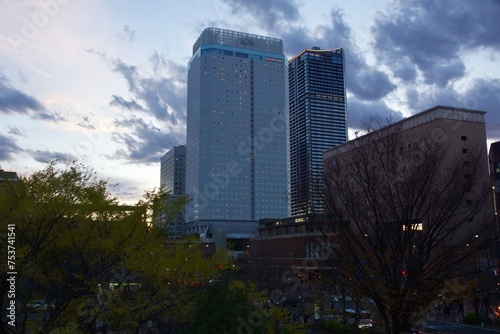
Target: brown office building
(427, 174)
(459, 135)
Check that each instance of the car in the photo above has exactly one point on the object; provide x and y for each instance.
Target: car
(365, 318)
(38, 309)
(421, 328)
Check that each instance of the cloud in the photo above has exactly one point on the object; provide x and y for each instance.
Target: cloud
(47, 115)
(126, 34)
(161, 94)
(479, 94)
(361, 113)
(8, 148)
(431, 37)
(125, 190)
(48, 156)
(13, 101)
(144, 142)
(363, 81)
(102, 55)
(86, 124)
(121, 102)
(333, 35)
(369, 84)
(268, 14)
(14, 130)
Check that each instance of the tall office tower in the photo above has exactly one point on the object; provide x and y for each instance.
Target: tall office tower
(318, 121)
(236, 133)
(173, 181)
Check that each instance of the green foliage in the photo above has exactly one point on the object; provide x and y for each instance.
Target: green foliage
(232, 306)
(95, 261)
(71, 328)
(335, 327)
(222, 307)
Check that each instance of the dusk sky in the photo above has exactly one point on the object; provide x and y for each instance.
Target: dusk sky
(105, 82)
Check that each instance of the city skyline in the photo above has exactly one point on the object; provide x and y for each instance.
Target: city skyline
(105, 83)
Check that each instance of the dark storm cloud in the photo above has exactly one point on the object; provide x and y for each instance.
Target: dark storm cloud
(297, 39)
(432, 36)
(48, 115)
(336, 34)
(12, 100)
(121, 102)
(360, 114)
(8, 148)
(270, 14)
(128, 72)
(161, 94)
(364, 82)
(480, 94)
(144, 142)
(48, 156)
(368, 84)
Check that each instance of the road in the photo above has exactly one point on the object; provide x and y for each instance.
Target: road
(437, 326)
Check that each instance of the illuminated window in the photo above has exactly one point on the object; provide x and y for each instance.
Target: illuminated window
(414, 227)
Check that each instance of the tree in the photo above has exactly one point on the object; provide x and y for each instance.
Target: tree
(233, 306)
(83, 261)
(412, 212)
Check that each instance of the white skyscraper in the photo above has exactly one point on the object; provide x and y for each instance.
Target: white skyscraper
(236, 150)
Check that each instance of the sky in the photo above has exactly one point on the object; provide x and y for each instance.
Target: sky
(105, 82)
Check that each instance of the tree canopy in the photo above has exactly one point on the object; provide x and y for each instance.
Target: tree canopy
(83, 261)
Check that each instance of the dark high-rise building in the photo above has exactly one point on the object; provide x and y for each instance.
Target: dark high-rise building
(318, 122)
(236, 133)
(494, 159)
(173, 181)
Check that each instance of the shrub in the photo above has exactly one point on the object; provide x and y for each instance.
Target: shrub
(335, 327)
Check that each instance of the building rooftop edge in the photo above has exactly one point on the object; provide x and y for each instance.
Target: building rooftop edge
(207, 32)
(241, 32)
(408, 120)
(314, 50)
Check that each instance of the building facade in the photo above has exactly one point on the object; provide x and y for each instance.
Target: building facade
(494, 160)
(236, 133)
(302, 242)
(436, 158)
(173, 181)
(318, 122)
